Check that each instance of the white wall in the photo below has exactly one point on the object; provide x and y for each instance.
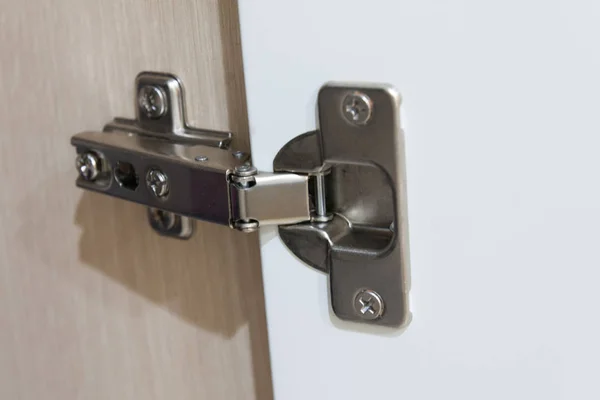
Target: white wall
(502, 101)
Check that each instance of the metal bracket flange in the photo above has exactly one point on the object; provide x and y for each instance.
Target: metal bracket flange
(364, 247)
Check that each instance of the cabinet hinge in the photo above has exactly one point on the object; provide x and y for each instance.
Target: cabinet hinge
(337, 193)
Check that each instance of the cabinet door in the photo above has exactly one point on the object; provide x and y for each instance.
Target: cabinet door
(500, 110)
(93, 303)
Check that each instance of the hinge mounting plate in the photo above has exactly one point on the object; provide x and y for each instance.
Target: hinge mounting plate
(364, 247)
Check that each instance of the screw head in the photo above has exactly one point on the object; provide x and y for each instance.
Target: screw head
(245, 170)
(88, 165)
(201, 158)
(368, 304)
(152, 100)
(357, 108)
(158, 182)
(161, 220)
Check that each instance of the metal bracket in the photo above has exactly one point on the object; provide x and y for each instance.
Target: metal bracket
(337, 194)
(156, 148)
(357, 160)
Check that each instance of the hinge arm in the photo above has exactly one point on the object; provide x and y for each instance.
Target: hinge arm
(202, 182)
(267, 198)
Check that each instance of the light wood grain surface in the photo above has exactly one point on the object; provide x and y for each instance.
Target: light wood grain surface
(94, 304)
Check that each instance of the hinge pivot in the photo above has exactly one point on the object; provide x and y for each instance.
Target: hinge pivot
(259, 199)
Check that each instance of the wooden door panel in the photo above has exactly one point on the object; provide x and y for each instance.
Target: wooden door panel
(94, 304)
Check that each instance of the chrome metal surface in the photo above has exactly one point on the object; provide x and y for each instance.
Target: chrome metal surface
(152, 100)
(321, 214)
(366, 192)
(158, 182)
(301, 155)
(246, 226)
(270, 198)
(198, 190)
(357, 108)
(245, 170)
(368, 304)
(162, 220)
(242, 179)
(320, 195)
(238, 154)
(337, 194)
(169, 124)
(168, 223)
(88, 165)
(158, 144)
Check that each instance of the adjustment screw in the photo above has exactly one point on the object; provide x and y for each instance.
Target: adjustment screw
(245, 170)
(357, 108)
(368, 304)
(152, 101)
(158, 182)
(88, 165)
(161, 220)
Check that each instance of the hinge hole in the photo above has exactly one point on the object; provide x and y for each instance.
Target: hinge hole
(126, 176)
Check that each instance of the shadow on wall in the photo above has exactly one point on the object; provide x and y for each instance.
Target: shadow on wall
(204, 279)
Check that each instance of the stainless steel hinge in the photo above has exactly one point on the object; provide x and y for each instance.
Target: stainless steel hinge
(337, 193)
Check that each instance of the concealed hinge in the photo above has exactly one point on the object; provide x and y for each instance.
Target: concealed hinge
(337, 194)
